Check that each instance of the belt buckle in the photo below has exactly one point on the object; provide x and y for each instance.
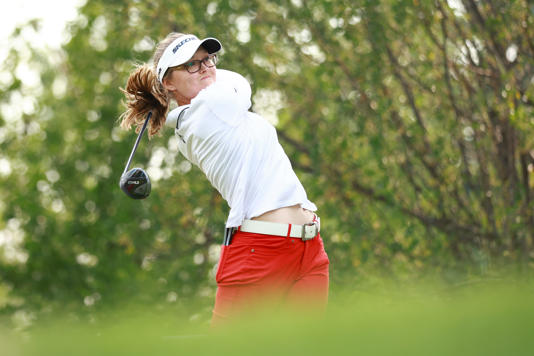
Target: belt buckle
(303, 236)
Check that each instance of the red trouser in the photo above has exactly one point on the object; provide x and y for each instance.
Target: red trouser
(254, 266)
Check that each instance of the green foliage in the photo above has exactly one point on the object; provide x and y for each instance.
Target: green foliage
(408, 122)
(487, 319)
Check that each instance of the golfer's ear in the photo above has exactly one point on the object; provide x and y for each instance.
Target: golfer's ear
(167, 84)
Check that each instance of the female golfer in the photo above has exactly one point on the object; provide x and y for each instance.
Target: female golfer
(272, 250)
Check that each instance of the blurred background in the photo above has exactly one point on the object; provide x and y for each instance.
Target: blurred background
(410, 123)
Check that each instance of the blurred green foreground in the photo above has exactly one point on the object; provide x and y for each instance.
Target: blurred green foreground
(475, 320)
(410, 123)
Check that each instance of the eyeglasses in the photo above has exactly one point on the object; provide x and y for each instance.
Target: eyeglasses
(196, 64)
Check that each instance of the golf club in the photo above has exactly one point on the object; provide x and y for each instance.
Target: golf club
(135, 182)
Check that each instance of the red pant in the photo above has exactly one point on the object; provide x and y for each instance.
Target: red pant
(285, 269)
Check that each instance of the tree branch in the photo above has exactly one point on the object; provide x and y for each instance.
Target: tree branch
(466, 233)
(406, 88)
(473, 9)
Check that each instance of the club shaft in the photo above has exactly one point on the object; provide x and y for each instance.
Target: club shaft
(137, 142)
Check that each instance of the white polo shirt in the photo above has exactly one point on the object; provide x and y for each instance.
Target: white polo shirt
(237, 149)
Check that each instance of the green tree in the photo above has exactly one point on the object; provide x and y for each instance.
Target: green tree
(409, 123)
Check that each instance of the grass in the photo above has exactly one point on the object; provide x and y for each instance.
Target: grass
(482, 319)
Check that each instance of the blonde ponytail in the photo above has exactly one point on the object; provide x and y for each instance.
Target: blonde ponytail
(145, 93)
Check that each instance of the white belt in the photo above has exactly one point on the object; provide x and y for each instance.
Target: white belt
(304, 232)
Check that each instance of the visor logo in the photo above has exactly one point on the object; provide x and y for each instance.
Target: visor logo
(181, 43)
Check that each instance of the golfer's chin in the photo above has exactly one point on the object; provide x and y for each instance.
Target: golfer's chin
(206, 81)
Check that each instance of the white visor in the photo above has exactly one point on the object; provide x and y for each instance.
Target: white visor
(182, 49)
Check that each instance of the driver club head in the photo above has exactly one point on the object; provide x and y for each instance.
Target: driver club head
(136, 183)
